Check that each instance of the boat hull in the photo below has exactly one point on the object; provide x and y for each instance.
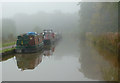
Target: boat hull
(29, 49)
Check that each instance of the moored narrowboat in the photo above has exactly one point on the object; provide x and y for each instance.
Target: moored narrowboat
(48, 37)
(29, 42)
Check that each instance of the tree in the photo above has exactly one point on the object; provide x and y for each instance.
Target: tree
(98, 17)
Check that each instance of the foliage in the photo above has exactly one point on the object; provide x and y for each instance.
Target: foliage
(110, 74)
(98, 17)
(99, 24)
(107, 40)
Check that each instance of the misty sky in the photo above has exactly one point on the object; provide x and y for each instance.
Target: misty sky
(9, 9)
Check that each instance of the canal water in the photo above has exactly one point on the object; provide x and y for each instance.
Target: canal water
(68, 60)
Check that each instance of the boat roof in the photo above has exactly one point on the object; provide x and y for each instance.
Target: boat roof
(32, 33)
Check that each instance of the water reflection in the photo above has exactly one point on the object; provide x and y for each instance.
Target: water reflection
(6, 57)
(97, 63)
(76, 61)
(30, 61)
(48, 50)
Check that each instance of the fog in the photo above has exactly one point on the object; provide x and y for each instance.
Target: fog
(60, 16)
(10, 9)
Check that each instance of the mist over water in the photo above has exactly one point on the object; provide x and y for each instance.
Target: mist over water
(72, 58)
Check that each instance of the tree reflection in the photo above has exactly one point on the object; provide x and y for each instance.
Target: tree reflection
(98, 64)
(6, 57)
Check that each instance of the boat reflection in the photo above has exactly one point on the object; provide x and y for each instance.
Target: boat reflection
(48, 50)
(28, 61)
(31, 61)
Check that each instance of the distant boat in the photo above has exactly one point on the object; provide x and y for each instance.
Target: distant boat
(48, 37)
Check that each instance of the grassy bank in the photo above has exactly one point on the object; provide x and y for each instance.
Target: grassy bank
(108, 41)
(6, 50)
(110, 74)
(7, 44)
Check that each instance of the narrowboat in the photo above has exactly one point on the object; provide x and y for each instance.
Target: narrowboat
(48, 37)
(29, 42)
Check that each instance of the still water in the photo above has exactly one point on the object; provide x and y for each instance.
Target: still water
(68, 60)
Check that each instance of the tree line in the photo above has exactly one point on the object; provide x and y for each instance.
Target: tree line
(98, 17)
(99, 24)
(21, 23)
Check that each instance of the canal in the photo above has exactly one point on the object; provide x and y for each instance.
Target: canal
(68, 60)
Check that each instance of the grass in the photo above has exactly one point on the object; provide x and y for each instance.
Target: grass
(110, 74)
(0, 44)
(7, 44)
(6, 50)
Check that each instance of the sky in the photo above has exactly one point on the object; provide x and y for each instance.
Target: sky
(12, 7)
(9, 9)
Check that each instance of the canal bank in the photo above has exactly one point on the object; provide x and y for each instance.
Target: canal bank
(69, 60)
(98, 63)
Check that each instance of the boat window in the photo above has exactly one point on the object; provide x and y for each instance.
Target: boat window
(38, 39)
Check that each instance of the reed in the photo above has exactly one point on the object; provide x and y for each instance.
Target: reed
(108, 40)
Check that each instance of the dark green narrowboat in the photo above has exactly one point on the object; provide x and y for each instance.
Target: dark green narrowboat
(29, 42)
